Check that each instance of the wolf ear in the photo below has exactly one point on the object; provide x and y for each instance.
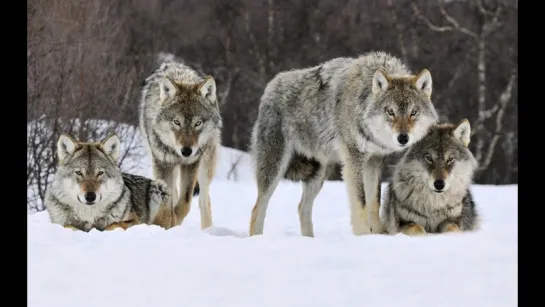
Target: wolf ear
(208, 89)
(110, 145)
(65, 146)
(168, 90)
(380, 81)
(463, 131)
(423, 83)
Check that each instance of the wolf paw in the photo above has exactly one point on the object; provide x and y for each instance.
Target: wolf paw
(360, 229)
(414, 230)
(375, 225)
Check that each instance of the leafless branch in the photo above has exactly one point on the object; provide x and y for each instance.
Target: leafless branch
(399, 30)
(505, 98)
(233, 169)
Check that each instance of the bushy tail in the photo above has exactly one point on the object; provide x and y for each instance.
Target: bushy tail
(159, 192)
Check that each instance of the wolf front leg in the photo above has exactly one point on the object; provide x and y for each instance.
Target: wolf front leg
(353, 177)
(372, 171)
(188, 176)
(165, 172)
(206, 172)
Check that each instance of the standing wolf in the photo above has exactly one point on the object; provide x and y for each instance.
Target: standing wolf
(349, 110)
(429, 190)
(181, 123)
(89, 191)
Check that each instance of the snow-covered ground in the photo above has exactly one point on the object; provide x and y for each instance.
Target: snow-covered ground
(148, 266)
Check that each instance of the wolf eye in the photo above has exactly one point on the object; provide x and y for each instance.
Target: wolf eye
(197, 124)
(390, 112)
(450, 160)
(100, 173)
(79, 173)
(428, 158)
(413, 113)
(176, 122)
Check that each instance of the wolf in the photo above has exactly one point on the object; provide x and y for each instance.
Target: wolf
(429, 189)
(352, 111)
(181, 123)
(90, 191)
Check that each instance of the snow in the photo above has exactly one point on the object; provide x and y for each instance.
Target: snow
(221, 266)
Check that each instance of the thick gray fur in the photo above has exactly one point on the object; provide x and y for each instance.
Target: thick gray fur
(169, 96)
(120, 196)
(411, 197)
(336, 112)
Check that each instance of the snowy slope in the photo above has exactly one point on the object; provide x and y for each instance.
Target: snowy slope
(148, 266)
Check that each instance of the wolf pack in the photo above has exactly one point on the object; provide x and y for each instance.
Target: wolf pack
(349, 111)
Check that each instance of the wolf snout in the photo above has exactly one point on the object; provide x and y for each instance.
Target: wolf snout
(186, 151)
(439, 185)
(90, 197)
(403, 139)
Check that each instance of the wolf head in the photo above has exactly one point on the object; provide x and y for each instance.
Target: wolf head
(401, 111)
(442, 160)
(188, 116)
(87, 173)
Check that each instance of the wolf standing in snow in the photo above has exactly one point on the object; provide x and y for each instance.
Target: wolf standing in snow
(89, 191)
(181, 124)
(429, 190)
(349, 110)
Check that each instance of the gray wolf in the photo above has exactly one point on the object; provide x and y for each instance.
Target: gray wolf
(429, 190)
(181, 124)
(89, 190)
(352, 111)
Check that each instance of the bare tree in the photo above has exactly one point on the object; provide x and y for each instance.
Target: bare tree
(69, 91)
(489, 20)
(87, 61)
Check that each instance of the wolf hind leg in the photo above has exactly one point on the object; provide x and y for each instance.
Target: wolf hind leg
(271, 162)
(311, 189)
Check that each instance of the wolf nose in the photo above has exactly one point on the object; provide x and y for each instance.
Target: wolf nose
(439, 184)
(403, 139)
(186, 151)
(90, 197)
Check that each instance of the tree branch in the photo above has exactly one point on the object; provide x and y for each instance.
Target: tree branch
(505, 98)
